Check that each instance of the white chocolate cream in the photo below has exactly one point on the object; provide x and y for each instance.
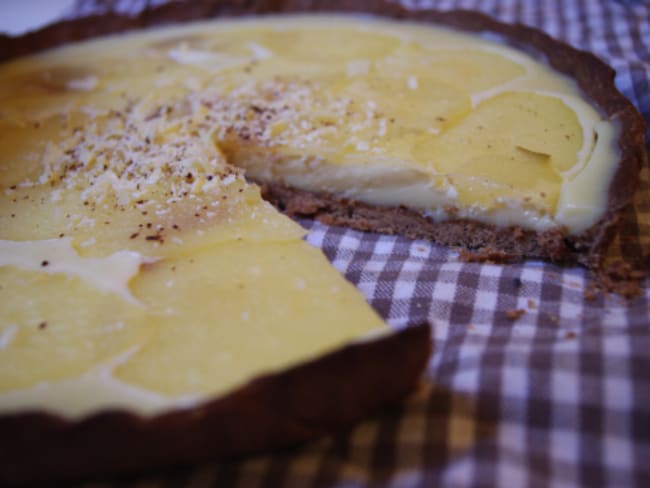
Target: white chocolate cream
(108, 274)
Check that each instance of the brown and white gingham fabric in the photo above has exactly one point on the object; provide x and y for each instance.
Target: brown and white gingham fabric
(558, 397)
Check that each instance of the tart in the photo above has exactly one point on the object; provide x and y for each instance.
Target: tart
(177, 307)
(518, 223)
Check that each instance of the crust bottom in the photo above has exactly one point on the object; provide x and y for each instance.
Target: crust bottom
(513, 242)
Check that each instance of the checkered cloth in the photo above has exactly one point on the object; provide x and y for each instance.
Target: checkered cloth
(559, 396)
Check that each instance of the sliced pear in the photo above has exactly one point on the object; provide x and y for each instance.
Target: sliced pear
(22, 144)
(469, 70)
(263, 307)
(537, 134)
(41, 91)
(318, 45)
(505, 179)
(407, 101)
(64, 320)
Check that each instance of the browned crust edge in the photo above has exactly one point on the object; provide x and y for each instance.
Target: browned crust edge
(278, 410)
(594, 77)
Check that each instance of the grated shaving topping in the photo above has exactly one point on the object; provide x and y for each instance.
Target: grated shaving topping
(163, 153)
(132, 154)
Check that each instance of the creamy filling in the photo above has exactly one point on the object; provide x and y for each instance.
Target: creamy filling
(109, 274)
(94, 391)
(124, 225)
(576, 208)
(396, 183)
(428, 61)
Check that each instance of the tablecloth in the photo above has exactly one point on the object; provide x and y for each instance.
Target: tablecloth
(559, 396)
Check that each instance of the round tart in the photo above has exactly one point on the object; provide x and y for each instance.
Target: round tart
(173, 306)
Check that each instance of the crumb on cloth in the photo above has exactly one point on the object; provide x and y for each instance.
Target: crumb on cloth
(514, 314)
